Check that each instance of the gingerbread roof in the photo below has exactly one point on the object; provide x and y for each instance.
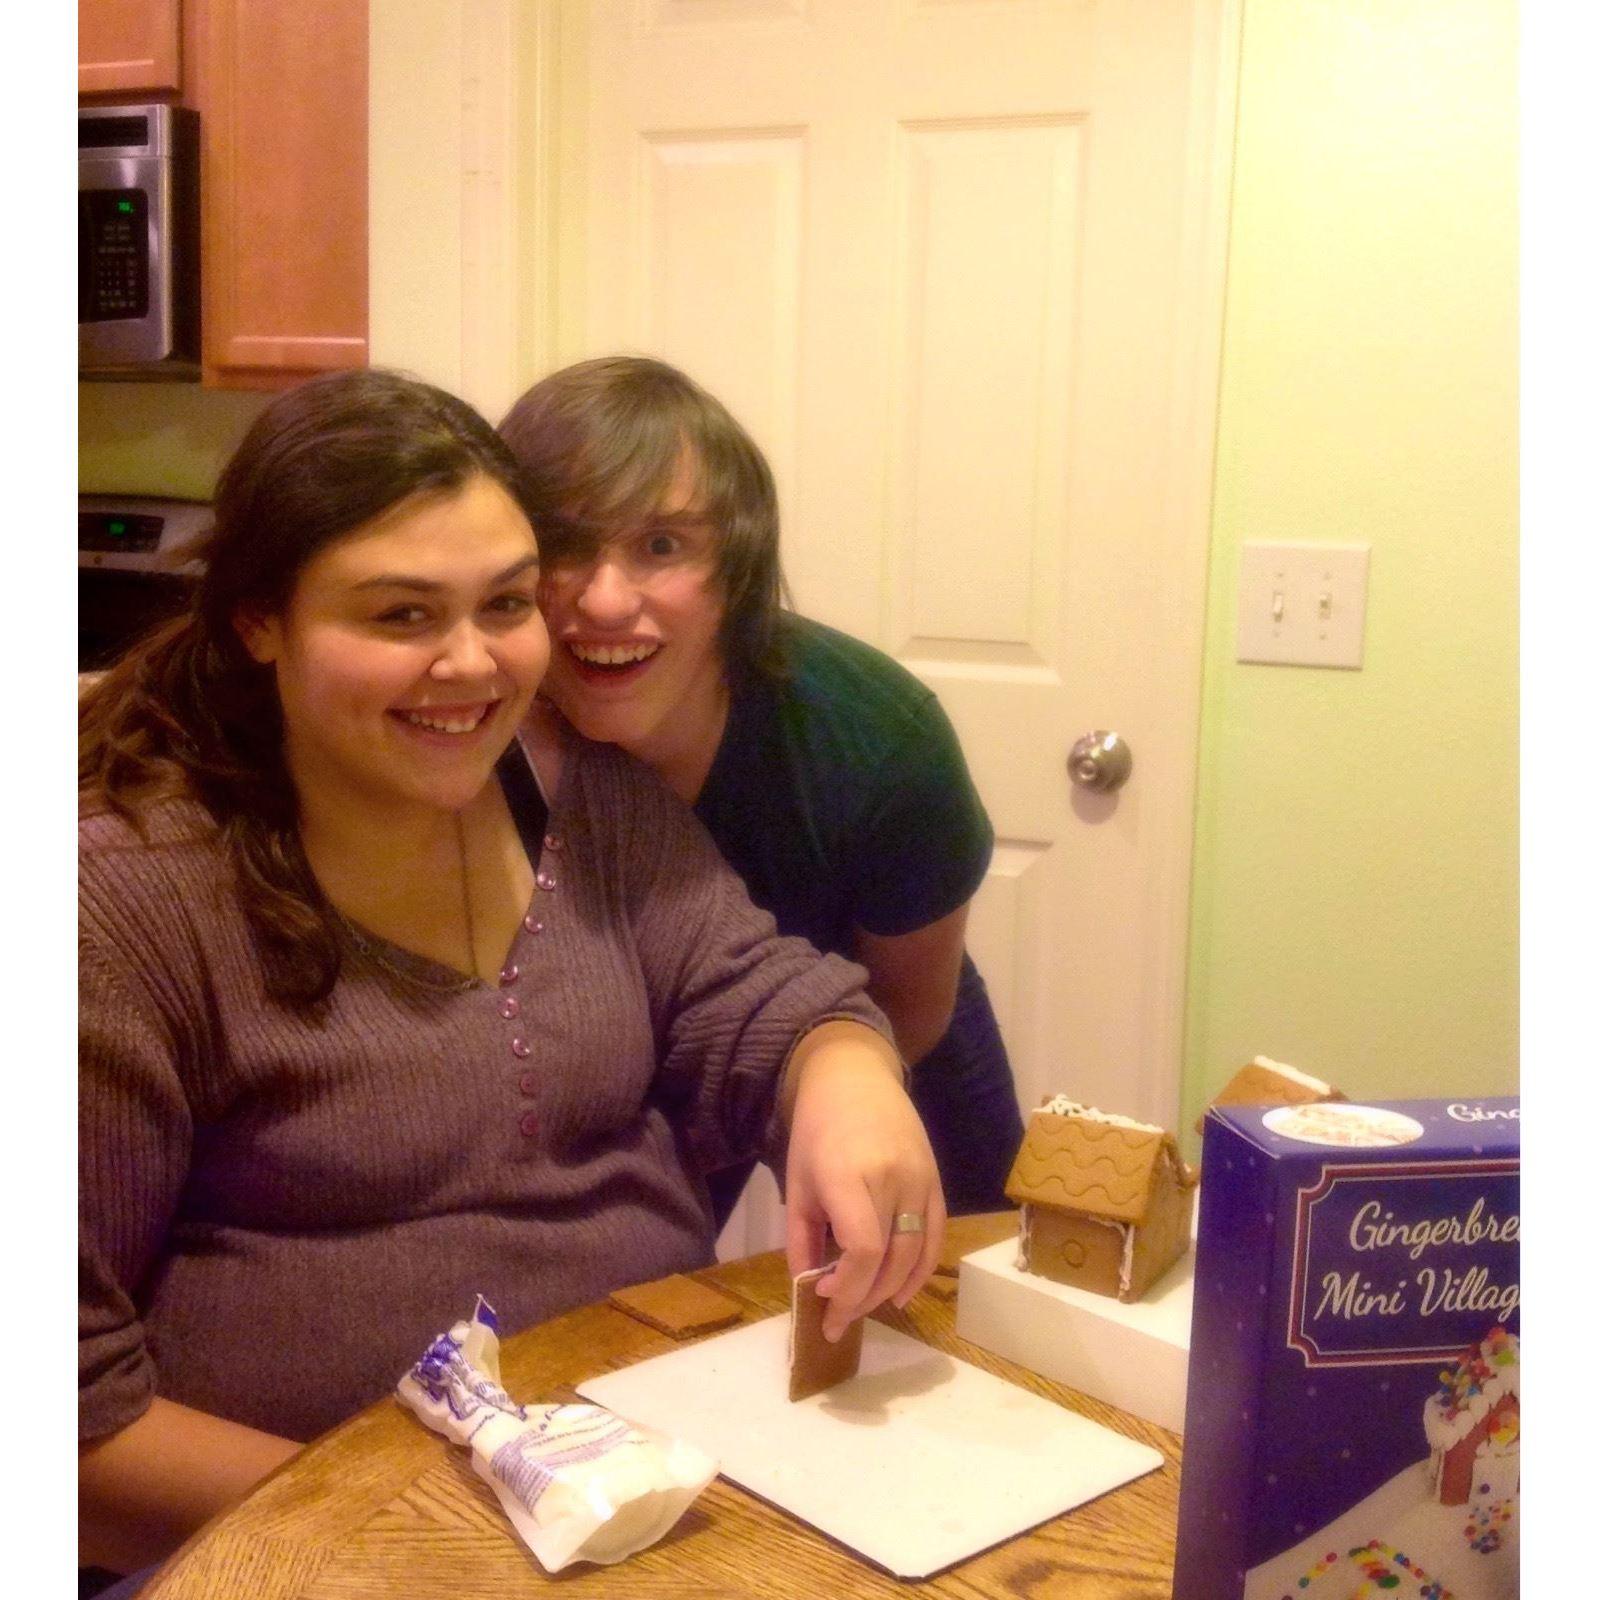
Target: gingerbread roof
(1488, 1374)
(1268, 1082)
(1084, 1161)
(1265, 1082)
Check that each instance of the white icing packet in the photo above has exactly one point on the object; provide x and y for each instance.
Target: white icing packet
(577, 1482)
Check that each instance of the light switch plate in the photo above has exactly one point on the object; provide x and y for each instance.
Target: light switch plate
(1303, 604)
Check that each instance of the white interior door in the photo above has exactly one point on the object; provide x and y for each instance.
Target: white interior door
(957, 266)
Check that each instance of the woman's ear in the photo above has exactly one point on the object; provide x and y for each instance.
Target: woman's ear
(262, 636)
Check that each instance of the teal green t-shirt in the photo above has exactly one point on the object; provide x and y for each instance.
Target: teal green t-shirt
(841, 795)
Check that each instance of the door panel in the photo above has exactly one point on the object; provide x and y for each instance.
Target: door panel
(956, 264)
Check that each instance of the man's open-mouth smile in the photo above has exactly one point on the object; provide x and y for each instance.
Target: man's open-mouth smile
(611, 663)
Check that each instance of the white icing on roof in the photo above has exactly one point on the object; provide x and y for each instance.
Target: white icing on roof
(1063, 1105)
(1293, 1074)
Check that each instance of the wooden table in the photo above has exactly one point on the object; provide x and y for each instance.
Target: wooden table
(382, 1509)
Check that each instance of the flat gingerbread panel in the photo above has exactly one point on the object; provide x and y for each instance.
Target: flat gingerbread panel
(678, 1306)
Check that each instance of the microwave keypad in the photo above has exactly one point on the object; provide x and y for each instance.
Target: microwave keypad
(113, 254)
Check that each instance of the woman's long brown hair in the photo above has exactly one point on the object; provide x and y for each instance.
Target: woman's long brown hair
(188, 713)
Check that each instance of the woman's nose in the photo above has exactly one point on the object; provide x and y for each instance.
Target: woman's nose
(463, 654)
(609, 594)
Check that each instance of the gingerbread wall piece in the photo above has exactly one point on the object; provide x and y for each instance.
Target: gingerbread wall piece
(814, 1364)
(1106, 1201)
(1265, 1082)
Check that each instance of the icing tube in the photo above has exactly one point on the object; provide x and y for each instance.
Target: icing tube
(577, 1482)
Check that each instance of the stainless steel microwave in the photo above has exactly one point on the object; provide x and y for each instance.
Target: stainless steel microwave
(138, 241)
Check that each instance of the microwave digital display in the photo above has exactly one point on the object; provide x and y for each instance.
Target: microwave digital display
(113, 257)
(101, 132)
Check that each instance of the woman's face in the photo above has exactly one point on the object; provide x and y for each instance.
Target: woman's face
(409, 651)
(636, 657)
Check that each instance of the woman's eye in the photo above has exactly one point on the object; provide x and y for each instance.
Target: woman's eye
(514, 603)
(662, 546)
(401, 616)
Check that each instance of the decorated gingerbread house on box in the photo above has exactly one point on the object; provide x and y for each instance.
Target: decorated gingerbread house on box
(1106, 1201)
(1474, 1423)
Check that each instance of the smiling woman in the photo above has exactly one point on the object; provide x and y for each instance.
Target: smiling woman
(356, 1043)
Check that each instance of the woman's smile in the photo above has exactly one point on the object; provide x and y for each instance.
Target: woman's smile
(452, 723)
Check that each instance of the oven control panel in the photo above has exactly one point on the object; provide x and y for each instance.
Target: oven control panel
(140, 533)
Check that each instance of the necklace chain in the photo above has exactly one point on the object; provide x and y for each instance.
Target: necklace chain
(408, 971)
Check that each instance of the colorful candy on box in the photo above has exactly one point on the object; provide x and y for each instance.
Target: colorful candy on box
(1353, 1418)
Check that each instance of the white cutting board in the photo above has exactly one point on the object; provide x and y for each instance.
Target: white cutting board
(917, 1462)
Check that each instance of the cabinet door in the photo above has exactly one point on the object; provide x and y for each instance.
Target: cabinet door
(282, 88)
(127, 45)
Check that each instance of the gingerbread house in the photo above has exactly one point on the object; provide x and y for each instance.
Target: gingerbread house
(1473, 1422)
(1106, 1201)
(1265, 1082)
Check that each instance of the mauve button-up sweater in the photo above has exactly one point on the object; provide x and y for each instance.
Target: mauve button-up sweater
(279, 1209)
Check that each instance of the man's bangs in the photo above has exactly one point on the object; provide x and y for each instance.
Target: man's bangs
(623, 476)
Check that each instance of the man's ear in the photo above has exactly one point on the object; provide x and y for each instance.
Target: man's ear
(262, 636)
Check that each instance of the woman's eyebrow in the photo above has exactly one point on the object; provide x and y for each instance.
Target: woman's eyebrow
(517, 568)
(406, 580)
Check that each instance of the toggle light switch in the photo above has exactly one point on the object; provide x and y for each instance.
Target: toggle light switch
(1303, 604)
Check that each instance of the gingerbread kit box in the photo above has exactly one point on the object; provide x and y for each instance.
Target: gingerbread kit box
(1353, 1417)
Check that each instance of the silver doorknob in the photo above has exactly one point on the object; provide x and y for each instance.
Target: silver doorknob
(1100, 760)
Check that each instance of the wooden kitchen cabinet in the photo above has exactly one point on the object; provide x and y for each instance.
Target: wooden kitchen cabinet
(128, 47)
(281, 87)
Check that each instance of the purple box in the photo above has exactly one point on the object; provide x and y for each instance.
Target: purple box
(1352, 1425)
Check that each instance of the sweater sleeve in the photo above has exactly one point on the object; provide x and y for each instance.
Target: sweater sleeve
(134, 1136)
(729, 996)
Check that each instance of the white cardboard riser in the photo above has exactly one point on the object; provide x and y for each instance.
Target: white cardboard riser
(1134, 1357)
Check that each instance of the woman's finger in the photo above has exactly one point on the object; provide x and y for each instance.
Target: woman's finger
(928, 1256)
(913, 1249)
(861, 1236)
(804, 1235)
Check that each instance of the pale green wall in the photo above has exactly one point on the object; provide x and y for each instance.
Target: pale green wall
(158, 438)
(1355, 869)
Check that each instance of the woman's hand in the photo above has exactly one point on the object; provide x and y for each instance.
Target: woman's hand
(858, 1158)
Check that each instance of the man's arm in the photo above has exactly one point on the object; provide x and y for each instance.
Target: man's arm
(913, 978)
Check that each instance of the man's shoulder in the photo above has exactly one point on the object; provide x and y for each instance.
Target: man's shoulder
(839, 680)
